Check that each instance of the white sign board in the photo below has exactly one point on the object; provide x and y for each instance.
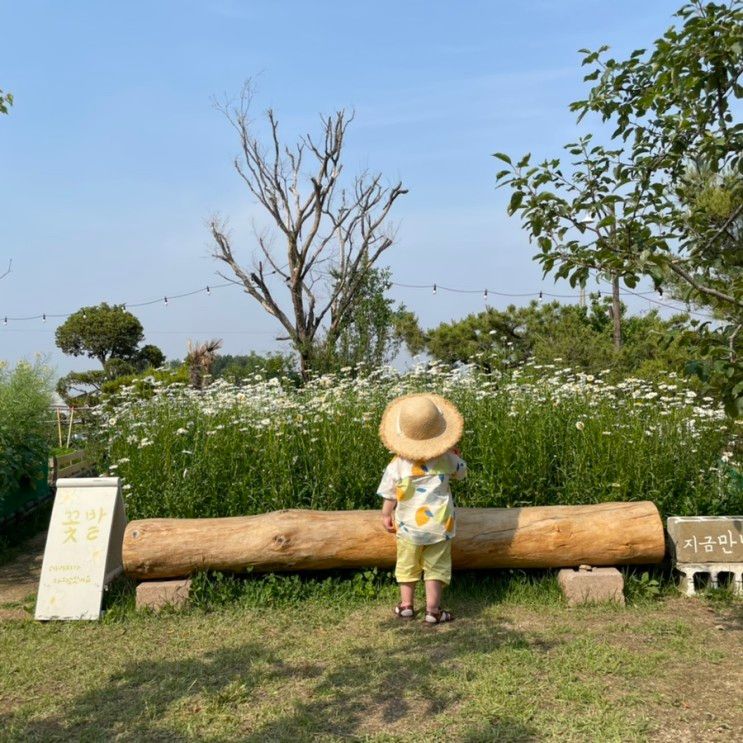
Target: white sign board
(83, 548)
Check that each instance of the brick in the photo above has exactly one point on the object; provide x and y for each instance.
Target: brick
(587, 585)
(155, 594)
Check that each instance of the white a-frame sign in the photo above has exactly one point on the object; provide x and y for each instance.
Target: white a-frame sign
(83, 548)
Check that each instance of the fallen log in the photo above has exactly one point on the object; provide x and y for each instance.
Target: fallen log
(540, 536)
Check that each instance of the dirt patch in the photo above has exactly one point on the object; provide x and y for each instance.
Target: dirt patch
(20, 578)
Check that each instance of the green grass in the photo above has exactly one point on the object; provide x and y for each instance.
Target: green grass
(323, 659)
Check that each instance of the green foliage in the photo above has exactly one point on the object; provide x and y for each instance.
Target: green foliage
(641, 588)
(144, 383)
(149, 357)
(6, 101)
(532, 437)
(100, 332)
(368, 333)
(270, 366)
(580, 338)
(25, 397)
(630, 210)
(85, 388)
(409, 332)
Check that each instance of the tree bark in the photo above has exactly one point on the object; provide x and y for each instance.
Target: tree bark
(616, 311)
(535, 537)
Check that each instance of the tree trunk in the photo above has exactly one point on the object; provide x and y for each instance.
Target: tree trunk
(616, 311)
(535, 537)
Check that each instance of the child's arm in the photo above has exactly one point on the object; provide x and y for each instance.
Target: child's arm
(387, 510)
(387, 491)
(460, 465)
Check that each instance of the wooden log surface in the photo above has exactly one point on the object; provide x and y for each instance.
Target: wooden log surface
(538, 536)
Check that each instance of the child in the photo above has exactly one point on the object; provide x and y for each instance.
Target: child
(422, 431)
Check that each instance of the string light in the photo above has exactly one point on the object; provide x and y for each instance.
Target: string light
(541, 295)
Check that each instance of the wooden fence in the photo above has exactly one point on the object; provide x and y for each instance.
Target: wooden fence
(69, 465)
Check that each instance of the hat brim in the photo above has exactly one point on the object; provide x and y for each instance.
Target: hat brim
(421, 449)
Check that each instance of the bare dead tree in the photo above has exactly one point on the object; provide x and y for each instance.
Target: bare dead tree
(332, 236)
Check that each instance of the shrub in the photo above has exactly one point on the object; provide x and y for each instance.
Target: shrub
(25, 397)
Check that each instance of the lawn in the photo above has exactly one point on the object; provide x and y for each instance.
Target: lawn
(313, 660)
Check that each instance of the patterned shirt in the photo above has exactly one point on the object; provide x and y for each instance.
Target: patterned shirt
(425, 507)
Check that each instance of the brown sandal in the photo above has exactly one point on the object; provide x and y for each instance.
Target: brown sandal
(404, 611)
(438, 617)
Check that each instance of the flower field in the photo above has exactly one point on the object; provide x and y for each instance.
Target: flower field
(533, 436)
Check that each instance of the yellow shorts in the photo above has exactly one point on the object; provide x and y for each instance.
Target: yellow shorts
(434, 560)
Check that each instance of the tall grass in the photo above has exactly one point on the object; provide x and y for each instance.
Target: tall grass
(539, 435)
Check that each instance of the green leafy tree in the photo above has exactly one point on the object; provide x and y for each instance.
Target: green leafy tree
(624, 210)
(581, 338)
(408, 330)
(270, 366)
(101, 332)
(369, 332)
(149, 357)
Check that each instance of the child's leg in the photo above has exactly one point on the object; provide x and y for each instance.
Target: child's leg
(408, 570)
(407, 594)
(437, 569)
(434, 589)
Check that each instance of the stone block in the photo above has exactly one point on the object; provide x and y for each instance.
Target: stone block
(700, 539)
(589, 585)
(156, 594)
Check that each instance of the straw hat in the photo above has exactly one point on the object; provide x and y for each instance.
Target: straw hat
(420, 427)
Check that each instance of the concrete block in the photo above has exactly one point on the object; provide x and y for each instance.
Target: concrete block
(589, 585)
(155, 594)
(712, 570)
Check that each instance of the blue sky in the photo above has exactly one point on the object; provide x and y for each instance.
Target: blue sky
(113, 157)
